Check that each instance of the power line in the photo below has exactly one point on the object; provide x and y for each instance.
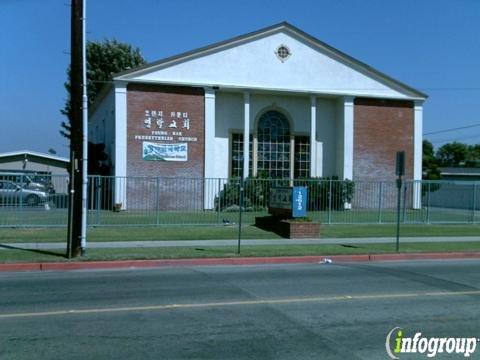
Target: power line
(451, 129)
(452, 89)
(456, 139)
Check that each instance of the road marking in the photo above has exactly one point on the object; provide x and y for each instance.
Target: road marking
(239, 303)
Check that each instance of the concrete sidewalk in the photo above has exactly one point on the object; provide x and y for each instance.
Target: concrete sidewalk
(254, 242)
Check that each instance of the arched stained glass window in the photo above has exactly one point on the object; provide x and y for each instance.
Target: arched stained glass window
(273, 136)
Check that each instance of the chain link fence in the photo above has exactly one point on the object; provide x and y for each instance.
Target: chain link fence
(143, 201)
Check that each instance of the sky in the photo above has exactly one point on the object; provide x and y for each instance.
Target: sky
(431, 45)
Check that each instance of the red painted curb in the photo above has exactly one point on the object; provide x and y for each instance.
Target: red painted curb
(21, 267)
(123, 264)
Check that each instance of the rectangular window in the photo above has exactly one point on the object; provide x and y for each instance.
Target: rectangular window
(237, 155)
(302, 157)
(273, 159)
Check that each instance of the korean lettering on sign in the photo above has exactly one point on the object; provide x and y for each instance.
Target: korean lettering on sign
(156, 119)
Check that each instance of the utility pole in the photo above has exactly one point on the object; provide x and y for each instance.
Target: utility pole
(83, 231)
(399, 171)
(74, 248)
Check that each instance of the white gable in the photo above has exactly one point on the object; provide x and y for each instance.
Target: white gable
(252, 63)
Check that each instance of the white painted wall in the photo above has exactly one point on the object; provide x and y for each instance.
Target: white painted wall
(254, 65)
(229, 115)
(327, 136)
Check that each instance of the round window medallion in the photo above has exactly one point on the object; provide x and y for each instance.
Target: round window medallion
(283, 52)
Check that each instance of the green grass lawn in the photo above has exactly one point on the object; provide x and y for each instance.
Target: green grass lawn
(17, 235)
(230, 251)
(58, 217)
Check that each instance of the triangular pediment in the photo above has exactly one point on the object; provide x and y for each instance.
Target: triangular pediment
(252, 62)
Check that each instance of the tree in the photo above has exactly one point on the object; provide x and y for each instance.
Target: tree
(97, 160)
(473, 156)
(452, 154)
(104, 58)
(429, 162)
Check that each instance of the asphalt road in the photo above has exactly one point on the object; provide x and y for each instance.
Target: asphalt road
(328, 311)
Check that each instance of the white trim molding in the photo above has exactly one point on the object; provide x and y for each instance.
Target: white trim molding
(417, 153)
(209, 159)
(348, 135)
(121, 143)
(246, 133)
(209, 133)
(348, 138)
(313, 136)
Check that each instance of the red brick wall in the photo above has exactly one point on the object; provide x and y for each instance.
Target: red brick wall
(168, 99)
(381, 128)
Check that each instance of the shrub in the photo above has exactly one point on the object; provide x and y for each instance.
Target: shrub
(256, 193)
(327, 192)
(229, 195)
(322, 192)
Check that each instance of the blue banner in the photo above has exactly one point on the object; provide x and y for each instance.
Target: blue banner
(299, 201)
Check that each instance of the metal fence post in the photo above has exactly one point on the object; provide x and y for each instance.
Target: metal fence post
(157, 199)
(241, 186)
(428, 203)
(329, 201)
(91, 194)
(380, 195)
(399, 198)
(21, 210)
(474, 197)
(404, 212)
(98, 187)
(217, 205)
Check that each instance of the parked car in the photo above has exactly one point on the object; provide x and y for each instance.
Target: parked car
(29, 181)
(14, 194)
(40, 182)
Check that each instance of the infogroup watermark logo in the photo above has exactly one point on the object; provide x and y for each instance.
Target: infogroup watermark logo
(397, 343)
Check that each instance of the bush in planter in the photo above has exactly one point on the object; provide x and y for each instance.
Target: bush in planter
(256, 193)
(229, 195)
(327, 192)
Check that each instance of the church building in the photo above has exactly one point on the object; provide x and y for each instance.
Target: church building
(276, 102)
